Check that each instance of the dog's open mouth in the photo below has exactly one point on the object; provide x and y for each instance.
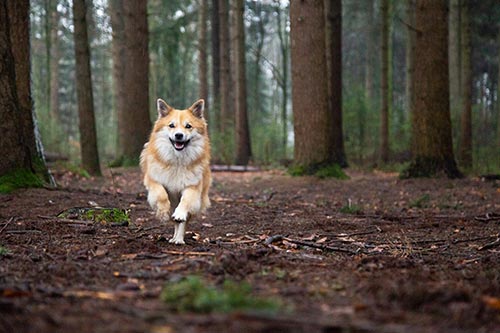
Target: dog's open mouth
(179, 145)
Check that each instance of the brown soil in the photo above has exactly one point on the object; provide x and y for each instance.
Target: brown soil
(406, 256)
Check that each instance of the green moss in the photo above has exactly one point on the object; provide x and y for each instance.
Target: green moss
(192, 294)
(20, 178)
(100, 215)
(3, 251)
(322, 170)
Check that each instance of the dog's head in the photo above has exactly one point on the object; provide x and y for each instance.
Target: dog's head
(183, 131)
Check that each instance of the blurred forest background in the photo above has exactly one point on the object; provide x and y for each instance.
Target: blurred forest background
(183, 40)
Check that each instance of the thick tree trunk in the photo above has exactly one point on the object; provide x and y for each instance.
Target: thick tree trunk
(465, 146)
(455, 42)
(118, 72)
(312, 123)
(20, 46)
(386, 100)
(202, 52)
(13, 147)
(88, 137)
(243, 149)
(136, 123)
(19, 147)
(409, 53)
(431, 126)
(333, 50)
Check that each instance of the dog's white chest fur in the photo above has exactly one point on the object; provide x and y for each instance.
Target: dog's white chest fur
(176, 178)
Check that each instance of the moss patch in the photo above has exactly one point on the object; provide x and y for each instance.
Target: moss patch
(20, 178)
(97, 214)
(192, 294)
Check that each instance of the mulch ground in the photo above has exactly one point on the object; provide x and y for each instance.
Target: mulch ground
(368, 254)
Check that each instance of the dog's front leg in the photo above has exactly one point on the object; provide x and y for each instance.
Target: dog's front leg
(158, 199)
(190, 203)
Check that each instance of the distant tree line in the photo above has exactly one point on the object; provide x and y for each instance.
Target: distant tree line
(368, 82)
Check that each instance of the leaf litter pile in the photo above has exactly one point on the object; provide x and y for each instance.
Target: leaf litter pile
(273, 253)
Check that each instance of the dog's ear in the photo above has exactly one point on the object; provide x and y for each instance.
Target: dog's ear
(197, 108)
(163, 108)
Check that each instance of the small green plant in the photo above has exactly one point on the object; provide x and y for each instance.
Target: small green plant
(19, 178)
(3, 251)
(351, 209)
(192, 294)
(77, 170)
(421, 202)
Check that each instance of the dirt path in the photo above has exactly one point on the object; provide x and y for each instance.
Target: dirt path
(370, 254)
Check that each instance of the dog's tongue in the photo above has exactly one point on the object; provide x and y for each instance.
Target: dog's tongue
(179, 145)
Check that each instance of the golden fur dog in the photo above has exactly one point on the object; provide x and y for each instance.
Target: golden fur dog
(176, 165)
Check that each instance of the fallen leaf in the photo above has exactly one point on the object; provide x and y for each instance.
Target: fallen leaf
(492, 302)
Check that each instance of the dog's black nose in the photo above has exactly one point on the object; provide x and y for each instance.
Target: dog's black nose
(179, 136)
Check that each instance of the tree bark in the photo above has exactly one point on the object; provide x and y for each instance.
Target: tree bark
(386, 100)
(369, 58)
(312, 123)
(20, 46)
(225, 68)
(333, 50)
(118, 72)
(409, 53)
(55, 55)
(455, 42)
(284, 47)
(88, 137)
(19, 146)
(214, 116)
(465, 146)
(136, 123)
(432, 151)
(202, 52)
(243, 148)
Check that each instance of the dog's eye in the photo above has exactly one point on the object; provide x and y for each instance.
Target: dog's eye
(171, 125)
(188, 126)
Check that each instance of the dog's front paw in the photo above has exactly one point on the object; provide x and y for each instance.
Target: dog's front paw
(177, 241)
(180, 215)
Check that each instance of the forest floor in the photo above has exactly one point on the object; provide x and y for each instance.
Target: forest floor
(368, 254)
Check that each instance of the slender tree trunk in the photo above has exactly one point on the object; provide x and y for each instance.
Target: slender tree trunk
(284, 47)
(214, 116)
(243, 149)
(202, 52)
(431, 126)
(19, 146)
(465, 146)
(136, 123)
(55, 56)
(369, 58)
(118, 72)
(333, 50)
(225, 67)
(312, 122)
(386, 100)
(88, 137)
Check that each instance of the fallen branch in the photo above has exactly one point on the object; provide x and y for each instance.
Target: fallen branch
(277, 238)
(189, 253)
(7, 224)
(491, 245)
